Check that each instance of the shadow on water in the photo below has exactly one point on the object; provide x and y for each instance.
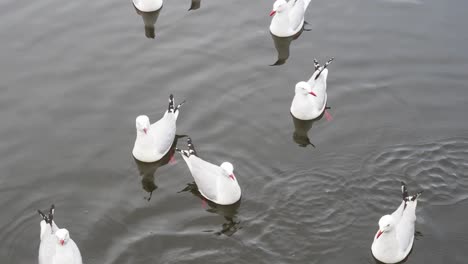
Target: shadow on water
(195, 5)
(149, 20)
(147, 170)
(282, 46)
(229, 212)
(301, 130)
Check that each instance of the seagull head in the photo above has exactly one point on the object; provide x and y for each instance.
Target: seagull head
(62, 236)
(227, 166)
(386, 223)
(304, 88)
(142, 124)
(278, 7)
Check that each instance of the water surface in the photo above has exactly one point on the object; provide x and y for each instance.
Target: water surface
(74, 75)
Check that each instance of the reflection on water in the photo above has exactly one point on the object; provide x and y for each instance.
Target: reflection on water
(147, 170)
(229, 212)
(282, 46)
(301, 130)
(149, 20)
(195, 5)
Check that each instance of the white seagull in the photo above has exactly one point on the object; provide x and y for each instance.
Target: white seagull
(394, 239)
(148, 5)
(288, 17)
(310, 99)
(153, 141)
(56, 245)
(216, 183)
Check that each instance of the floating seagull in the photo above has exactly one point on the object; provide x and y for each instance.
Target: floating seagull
(288, 17)
(216, 183)
(153, 141)
(148, 5)
(56, 245)
(395, 236)
(310, 99)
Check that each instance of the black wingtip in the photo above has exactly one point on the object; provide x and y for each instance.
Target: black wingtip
(41, 214)
(324, 67)
(404, 190)
(416, 196)
(191, 148)
(50, 216)
(316, 64)
(178, 106)
(170, 108)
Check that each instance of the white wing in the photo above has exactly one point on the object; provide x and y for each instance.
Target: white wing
(164, 131)
(398, 213)
(405, 227)
(206, 176)
(48, 241)
(75, 251)
(296, 14)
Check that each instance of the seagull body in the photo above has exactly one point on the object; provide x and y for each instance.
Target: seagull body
(310, 97)
(288, 17)
(148, 5)
(153, 141)
(394, 239)
(216, 183)
(56, 245)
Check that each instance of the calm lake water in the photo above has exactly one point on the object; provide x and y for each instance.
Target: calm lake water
(75, 74)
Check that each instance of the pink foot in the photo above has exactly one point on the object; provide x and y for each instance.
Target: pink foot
(172, 160)
(204, 203)
(328, 116)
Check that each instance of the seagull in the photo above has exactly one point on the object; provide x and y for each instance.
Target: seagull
(153, 141)
(216, 183)
(148, 5)
(310, 99)
(394, 239)
(56, 245)
(288, 17)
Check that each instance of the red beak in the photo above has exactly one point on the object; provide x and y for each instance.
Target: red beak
(378, 234)
(145, 130)
(273, 12)
(62, 242)
(231, 176)
(312, 93)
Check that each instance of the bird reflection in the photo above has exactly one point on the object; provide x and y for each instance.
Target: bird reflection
(229, 212)
(301, 129)
(195, 5)
(147, 170)
(149, 19)
(282, 46)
